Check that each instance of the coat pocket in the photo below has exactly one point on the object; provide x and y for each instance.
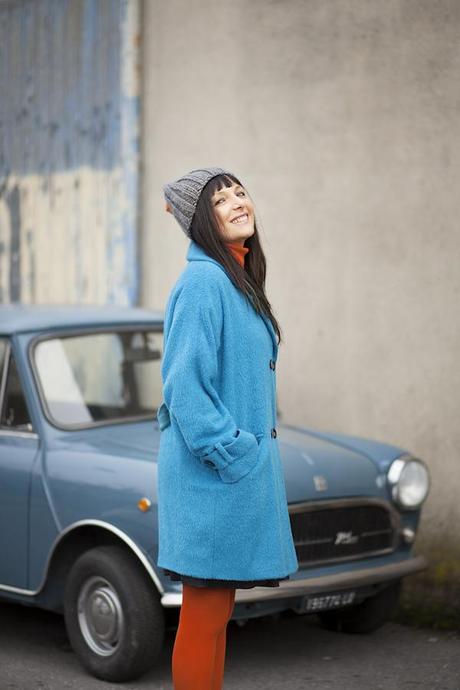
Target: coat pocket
(242, 461)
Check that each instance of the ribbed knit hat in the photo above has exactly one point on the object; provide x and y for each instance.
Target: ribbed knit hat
(183, 194)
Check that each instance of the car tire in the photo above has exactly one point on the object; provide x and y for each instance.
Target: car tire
(113, 615)
(365, 617)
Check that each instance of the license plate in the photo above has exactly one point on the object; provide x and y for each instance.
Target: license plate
(323, 602)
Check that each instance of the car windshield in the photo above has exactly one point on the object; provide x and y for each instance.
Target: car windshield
(96, 378)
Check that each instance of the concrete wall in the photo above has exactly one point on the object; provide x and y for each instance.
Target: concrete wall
(343, 120)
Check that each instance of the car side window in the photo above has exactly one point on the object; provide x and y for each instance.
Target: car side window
(14, 412)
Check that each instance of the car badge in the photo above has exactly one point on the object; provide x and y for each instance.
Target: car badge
(320, 483)
(346, 538)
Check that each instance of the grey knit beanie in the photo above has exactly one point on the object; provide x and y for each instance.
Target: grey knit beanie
(183, 194)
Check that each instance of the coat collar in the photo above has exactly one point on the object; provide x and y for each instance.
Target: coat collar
(197, 253)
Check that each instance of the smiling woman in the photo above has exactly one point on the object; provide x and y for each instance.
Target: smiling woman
(222, 508)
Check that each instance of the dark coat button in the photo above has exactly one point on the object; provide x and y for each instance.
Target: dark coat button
(273, 433)
(272, 364)
(209, 463)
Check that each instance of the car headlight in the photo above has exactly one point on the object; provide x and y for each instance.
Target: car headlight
(409, 481)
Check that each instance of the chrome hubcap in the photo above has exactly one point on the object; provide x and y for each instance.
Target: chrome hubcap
(100, 616)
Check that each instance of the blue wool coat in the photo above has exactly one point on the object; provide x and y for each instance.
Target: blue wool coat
(222, 508)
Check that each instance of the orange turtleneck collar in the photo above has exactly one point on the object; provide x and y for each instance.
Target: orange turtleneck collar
(238, 251)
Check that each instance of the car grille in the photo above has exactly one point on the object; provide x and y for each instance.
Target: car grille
(341, 530)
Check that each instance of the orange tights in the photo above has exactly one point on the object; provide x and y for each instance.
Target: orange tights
(199, 649)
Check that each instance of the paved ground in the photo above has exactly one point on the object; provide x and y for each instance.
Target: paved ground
(291, 653)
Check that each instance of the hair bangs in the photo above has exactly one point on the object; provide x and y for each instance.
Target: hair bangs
(220, 181)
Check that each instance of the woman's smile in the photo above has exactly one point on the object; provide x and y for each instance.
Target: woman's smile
(241, 219)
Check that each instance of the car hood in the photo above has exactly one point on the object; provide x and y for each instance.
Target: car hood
(316, 465)
(317, 468)
(132, 440)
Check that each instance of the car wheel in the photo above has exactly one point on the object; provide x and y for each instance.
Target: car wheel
(371, 614)
(113, 615)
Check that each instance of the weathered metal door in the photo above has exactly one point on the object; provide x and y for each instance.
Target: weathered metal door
(69, 124)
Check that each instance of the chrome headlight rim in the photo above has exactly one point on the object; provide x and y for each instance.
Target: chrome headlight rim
(396, 472)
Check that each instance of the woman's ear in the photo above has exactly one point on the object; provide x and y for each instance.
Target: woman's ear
(168, 207)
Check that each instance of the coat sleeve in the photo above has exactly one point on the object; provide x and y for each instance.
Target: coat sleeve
(193, 328)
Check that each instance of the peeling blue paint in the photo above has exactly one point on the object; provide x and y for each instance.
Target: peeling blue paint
(61, 70)
(12, 200)
(68, 111)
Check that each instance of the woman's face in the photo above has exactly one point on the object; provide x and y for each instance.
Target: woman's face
(234, 211)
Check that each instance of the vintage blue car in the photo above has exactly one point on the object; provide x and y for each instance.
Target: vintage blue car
(79, 392)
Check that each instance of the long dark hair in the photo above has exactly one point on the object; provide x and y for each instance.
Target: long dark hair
(205, 232)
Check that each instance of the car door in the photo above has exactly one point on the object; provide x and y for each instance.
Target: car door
(18, 451)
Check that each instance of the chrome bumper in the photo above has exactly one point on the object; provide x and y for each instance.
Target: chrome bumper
(327, 583)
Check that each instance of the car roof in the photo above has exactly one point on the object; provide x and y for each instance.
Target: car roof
(24, 318)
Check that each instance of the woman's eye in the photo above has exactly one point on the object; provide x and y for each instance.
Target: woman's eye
(218, 201)
(242, 193)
